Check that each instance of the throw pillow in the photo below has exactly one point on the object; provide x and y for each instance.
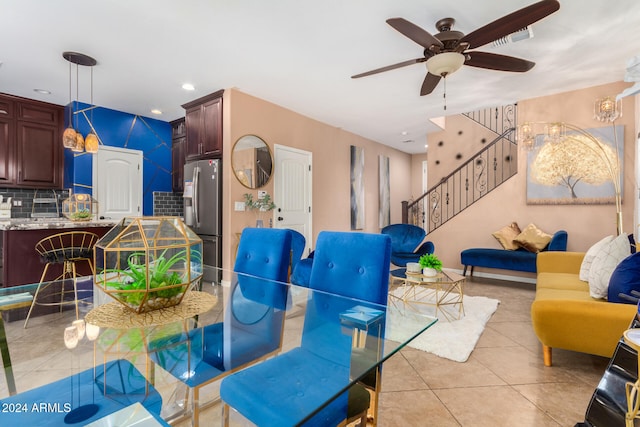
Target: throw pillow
(625, 278)
(533, 239)
(506, 235)
(590, 255)
(605, 261)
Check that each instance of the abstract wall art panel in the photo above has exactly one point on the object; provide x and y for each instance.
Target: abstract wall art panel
(384, 202)
(357, 188)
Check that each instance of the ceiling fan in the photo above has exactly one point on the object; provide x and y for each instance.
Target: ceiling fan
(448, 50)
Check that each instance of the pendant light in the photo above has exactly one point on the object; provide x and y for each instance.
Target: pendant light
(79, 147)
(91, 142)
(69, 135)
(72, 138)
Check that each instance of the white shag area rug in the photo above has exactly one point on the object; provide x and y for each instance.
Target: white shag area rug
(453, 340)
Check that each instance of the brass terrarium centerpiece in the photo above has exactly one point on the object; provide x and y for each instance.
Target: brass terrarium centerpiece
(80, 207)
(148, 263)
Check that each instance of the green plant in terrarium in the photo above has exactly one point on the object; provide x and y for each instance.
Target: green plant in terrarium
(430, 261)
(81, 214)
(160, 276)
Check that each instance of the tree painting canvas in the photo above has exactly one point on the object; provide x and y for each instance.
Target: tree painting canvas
(576, 170)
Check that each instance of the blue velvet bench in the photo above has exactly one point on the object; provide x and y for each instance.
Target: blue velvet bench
(518, 260)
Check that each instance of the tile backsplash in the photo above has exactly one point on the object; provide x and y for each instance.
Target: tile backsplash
(25, 198)
(164, 203)
(167, 204)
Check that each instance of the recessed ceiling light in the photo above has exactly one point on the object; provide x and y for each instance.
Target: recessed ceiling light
(156, 111)
(404, 132)
(188, 86)
(43, 91)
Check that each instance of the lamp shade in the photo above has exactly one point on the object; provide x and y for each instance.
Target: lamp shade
(445, 63)
(79, 147)
(91, 143)
(69, 138)
(71, 337)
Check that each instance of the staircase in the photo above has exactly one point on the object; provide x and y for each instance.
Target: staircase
(477, 177)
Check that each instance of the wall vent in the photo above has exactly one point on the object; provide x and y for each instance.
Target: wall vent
(523, 34)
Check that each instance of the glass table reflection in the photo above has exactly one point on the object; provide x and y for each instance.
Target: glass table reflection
(164, 355)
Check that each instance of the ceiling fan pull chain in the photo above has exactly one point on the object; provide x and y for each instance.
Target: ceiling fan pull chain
(444, 95)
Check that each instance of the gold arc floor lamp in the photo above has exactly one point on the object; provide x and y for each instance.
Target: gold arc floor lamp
(581, 148)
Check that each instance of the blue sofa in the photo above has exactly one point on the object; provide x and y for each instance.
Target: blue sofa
(518, 260)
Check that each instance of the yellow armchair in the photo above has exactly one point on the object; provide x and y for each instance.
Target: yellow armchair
(565, 316)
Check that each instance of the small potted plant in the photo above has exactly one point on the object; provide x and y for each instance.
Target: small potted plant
(430, 264)
(265, 204)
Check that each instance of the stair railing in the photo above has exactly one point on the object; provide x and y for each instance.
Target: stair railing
(497, 119)
(478, 176)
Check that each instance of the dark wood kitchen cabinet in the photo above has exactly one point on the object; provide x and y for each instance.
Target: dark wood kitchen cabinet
(31, 152)
(7, 146)
(178, 138)
(203, 122)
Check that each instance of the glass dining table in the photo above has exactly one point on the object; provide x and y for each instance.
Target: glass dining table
(113, 365)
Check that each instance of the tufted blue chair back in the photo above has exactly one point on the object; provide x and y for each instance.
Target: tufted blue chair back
(264, 252)
(354, 265)
(258, 295)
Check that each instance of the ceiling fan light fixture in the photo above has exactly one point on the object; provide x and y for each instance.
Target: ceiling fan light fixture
(445, 63)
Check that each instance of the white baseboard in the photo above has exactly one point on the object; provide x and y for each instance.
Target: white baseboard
(520, 279)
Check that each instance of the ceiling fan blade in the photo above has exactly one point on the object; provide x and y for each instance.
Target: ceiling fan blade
(429, 84)
(493, 61)
(510, 23)
(390, 67)
(415, 33)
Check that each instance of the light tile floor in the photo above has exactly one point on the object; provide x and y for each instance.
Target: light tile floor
(504, 382)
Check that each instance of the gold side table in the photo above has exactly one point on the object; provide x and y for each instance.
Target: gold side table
(441, 291)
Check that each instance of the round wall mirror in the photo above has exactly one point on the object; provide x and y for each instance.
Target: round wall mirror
(251, 161)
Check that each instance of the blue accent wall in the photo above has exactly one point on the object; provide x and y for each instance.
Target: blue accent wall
(124, 130)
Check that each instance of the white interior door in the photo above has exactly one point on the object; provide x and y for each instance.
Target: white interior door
(293, 191)
(117, 182)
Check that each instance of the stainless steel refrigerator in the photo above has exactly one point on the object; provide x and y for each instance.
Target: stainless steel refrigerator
(203, 208)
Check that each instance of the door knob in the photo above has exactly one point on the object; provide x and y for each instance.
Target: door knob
(280, 218)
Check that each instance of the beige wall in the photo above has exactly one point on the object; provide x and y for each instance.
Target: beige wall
(330, 148)
(585, 224)
(245, 114)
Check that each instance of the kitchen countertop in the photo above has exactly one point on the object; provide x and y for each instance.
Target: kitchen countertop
(51, 223)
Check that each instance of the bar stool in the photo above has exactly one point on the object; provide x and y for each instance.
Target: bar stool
(64, 248)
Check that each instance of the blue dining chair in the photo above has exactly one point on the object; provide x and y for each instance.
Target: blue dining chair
(254, 318)
(298, 243)
(284, 390)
